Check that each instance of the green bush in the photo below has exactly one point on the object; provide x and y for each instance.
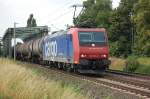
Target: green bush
(120, 48)
(114, 49)
(131, 64)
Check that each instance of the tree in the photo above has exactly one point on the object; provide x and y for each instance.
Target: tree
(31, 22)
(142, 22)
(96, 14)
(121, 29)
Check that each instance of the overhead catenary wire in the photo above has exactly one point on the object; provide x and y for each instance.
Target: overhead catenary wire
(59, 9)
(56, 18)
(60, 16)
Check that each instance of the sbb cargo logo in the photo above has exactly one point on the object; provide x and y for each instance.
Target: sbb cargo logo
(51, 49)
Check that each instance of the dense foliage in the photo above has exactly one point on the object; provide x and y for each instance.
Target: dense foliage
(96, 14)
(128, 25)
(142, 21)
(121, 30)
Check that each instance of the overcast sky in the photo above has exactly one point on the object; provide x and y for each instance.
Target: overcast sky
(54, 13)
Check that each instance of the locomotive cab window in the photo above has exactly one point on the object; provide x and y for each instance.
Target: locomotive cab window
(92, 37)
(85, 37)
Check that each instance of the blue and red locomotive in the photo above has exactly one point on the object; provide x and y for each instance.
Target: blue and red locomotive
(78, 49)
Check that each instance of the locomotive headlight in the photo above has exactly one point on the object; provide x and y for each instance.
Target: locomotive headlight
(104, 56)
(82, 55)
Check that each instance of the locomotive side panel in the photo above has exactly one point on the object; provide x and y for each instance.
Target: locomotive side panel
(58, 49)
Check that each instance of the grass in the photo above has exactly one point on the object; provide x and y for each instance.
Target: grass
(145, 65)
(18, 82)
(144, 60)
(118, 64)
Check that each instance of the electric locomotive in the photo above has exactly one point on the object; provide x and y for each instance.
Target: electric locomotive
(91, 49)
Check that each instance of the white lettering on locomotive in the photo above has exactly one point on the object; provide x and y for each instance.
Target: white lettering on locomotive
(51, 49)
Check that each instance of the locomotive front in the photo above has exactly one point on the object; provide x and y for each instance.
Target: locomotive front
(91, 49)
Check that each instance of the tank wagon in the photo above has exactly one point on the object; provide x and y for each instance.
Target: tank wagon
(78, 49)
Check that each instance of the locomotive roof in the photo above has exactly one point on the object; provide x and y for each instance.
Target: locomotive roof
(88, 29)
(61, 32)
(57, 33)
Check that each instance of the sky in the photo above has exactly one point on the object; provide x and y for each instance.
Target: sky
(54, 13)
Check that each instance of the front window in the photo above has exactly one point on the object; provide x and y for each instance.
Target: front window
(97, 38)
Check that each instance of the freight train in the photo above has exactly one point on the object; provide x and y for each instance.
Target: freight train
(83, 50)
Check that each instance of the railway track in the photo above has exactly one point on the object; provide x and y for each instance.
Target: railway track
(126, 86)
(138, 87)
(136, 79)
(135, 75)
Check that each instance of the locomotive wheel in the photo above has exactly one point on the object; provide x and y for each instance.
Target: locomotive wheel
(69, 67)
(75, 68)
(60, 65)
(64, 66)
(50, 64)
